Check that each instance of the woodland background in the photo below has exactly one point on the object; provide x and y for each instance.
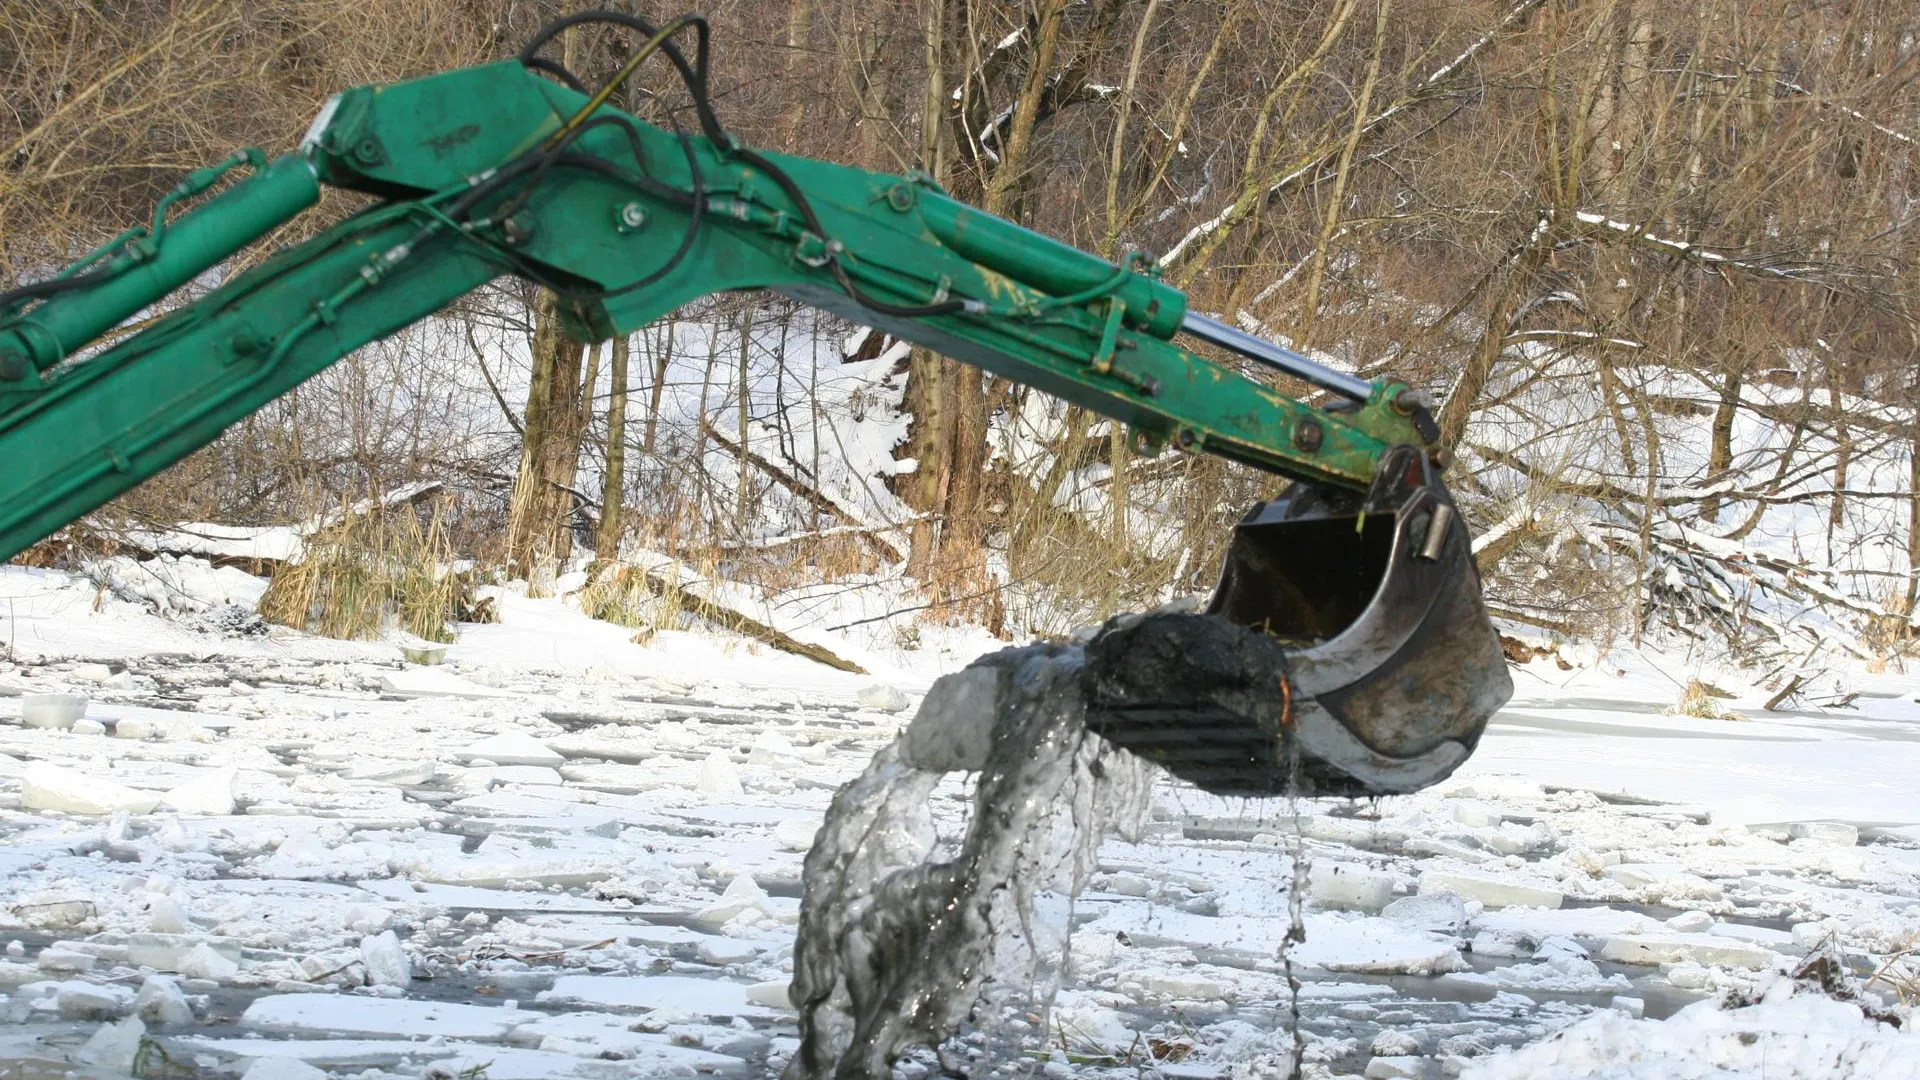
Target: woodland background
(1654, 259)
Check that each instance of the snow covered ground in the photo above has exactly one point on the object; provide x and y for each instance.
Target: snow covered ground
(564, 855)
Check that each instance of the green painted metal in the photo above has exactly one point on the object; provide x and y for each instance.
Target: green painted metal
(147, 268)
(611, 226)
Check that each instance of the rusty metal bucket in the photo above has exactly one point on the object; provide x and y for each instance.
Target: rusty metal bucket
(1393, 664)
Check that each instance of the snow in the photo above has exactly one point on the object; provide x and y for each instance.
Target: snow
(1802, 1036)
(581, 857)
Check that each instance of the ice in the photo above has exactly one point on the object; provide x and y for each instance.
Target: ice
(114, 1046)
(210, 795)
(91, 1001)
(281, 1068)
(511, 748)
(50, 787)
(1675, 948)
(1396, 1068)
(433, 682)
(1184, 987)
(160, 1001)
(342, 1015)
(1442, 912)
(1691, 922)
(386, 962)
(203, 962)
(60, 957)
(1836, 833)
(84, 726)
(722, 951)
(1394, 1043)
(796, 834)
(1492, 892)
(1804, 1037)
(883, 697)
(1348, 886)
(719, 776)
(167, 952)
(742, 895)
(775, 994)
(693, 997)
(54, 711)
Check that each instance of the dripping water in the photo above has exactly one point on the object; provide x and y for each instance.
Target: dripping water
(898, 948)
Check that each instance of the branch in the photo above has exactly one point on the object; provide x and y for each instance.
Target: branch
(1425, 91)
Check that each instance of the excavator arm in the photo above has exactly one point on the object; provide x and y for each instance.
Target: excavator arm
(496, 170)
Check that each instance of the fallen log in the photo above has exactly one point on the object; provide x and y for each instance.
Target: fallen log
(671, 581)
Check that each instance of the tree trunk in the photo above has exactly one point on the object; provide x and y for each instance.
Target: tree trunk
(613, 490)
(662, 358)
(1720, 446)
(550, 450)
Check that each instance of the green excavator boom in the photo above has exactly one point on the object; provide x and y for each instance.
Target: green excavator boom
(498, 169)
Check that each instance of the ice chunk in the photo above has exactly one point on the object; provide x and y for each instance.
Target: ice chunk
(1184, 987)
(84, 726)
(1348, 886)
(281, 1068)
(210, 795)
(1439, 911)
(1675, 948)
(336, 1015)
(1355, 831)
(743, 894)
(1476, 814)
(1691, 922)
(953, 731)
(1394, 1043)
(772, 748)
(204, 962)
(50, 787)
(682, 994)
(774, 994)
(1489, 891)
(161, 1001)
(1837, 833)
(87, 1001)
(796, 834)
(722, 951)
(397, 773)
(882, 696)
(63, 958)
(114, 1046)
(1632, 1006)
(166, 952)
(97, 673)
(511, 748)
(387, 963)
(133, 729)
(1688, 975)
(1396, 1068)
(719, 776)
(426, 682)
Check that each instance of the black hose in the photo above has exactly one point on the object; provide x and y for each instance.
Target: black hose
(694, 77)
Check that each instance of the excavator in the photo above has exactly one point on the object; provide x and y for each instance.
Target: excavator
(1360, 571)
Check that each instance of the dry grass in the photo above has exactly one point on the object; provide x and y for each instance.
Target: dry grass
(1702, 701)
(370, 574)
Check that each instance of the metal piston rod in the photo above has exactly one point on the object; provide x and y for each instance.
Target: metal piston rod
(1277, 357)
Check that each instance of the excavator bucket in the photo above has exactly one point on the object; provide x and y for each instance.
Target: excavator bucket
(1346, 650)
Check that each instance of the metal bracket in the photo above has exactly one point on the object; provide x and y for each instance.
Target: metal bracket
(1109, 337)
